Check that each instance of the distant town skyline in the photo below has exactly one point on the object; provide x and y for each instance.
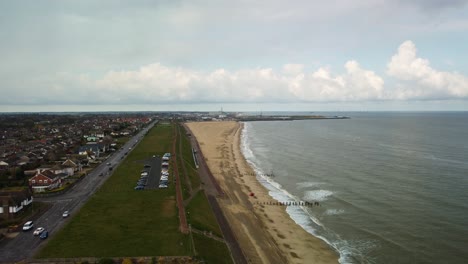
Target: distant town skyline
(143, 55)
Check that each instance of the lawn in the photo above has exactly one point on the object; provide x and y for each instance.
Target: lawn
(211, 251)
(119, 221)
(200, 216)
(188, 158)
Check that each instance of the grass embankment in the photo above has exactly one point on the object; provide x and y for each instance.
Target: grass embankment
(119, 221)
(199, 213)
(211, 251)
(188, 158)
(200, 216)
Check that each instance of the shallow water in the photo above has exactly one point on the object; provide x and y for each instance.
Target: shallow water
(392, 187)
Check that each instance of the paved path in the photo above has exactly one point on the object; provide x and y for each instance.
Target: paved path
(228, 235)
(213, 190)
(211, 186)
(180, 201)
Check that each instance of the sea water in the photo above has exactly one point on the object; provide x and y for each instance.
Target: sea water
(391, 187)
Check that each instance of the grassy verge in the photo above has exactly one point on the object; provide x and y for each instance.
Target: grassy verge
(188, 159)
(211, 251)
(122, 140)
(200, 216)
(119, 221)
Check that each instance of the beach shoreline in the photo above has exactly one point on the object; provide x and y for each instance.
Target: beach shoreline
(266, 233)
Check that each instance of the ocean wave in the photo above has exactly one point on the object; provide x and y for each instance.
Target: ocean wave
(302, 185)
(299, 214)
(317, 195)
(334, 211)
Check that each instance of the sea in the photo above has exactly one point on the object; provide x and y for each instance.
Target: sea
(391, 187)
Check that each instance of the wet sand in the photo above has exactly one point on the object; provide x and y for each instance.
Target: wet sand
(265, 233)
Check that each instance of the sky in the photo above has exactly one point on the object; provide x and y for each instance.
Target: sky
(302, 55)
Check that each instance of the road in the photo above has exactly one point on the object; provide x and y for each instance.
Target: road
(25, 245)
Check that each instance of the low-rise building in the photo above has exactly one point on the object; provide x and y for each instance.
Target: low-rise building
(13, 201)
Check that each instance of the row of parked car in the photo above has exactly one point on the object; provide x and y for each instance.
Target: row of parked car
(164, 180)
(141, 184)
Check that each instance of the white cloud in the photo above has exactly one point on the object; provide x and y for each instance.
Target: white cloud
(420, 80)
(160, 84)
(156, 83)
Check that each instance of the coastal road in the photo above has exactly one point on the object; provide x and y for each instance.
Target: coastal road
(25, 245)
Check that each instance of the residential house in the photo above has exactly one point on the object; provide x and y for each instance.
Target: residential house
(44, 180)
(4, 165)
(13, 201)
(76, 165)
(91, 150)
(57, 169)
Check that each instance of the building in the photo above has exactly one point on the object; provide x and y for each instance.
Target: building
(44, 181)
(13, 201)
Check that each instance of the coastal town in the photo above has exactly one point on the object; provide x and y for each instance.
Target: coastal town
(43, 154)
(52, 163)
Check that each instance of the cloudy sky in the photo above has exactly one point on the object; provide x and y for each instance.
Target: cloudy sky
(301, 55)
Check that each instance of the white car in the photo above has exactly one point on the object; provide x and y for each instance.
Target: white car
(28, 226)
(144, 174)
(162, 186)
(164, 178)
(65, 214)
(38, 231)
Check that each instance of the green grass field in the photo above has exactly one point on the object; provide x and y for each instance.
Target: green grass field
(200, 216)
(119, 221)
(188, 159)
(211, 251)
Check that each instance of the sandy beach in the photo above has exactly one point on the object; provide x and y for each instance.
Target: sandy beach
(266, 233)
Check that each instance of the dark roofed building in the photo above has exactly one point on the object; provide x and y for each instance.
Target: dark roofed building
(14, 200)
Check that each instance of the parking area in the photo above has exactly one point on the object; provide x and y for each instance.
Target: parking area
(155, 173)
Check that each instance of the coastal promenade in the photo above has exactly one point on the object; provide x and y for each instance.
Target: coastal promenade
(213, 190)
(180, 201)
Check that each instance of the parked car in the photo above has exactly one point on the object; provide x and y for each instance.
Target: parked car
(144, 174)
(28, 226)
(147, 166)
(139, 188)
(65, 214)
(44, 234)
(38, 231)
(162, 186)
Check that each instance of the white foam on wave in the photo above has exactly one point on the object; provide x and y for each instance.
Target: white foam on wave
(334, 211)
(349, 251)
(302, 185)
(299, 214)
(317, 195)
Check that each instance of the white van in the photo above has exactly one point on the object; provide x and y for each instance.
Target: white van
(28, 226)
